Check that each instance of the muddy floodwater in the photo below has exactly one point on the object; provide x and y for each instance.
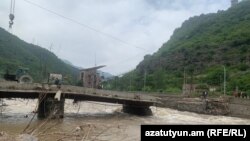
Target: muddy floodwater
(91, 121)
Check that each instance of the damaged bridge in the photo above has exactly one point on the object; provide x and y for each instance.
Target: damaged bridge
(51, 98)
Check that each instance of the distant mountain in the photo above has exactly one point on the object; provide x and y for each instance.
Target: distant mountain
(15, 53)
(105, 75)
(201, 48)
(71, 64)
(67, 62)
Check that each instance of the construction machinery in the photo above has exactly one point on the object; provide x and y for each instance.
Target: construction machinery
(55, 79)
(11, 15)
(21, 76)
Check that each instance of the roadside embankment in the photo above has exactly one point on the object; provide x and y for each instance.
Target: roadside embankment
(228, 106)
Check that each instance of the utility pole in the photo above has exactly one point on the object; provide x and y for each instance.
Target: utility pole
(184, 83)
(130, 81)
(221, 84)
(145, 79)
(224, 80)
(51, 47)
(115, 82)
(95, 59)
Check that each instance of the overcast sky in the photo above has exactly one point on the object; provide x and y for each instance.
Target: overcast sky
(118, 32)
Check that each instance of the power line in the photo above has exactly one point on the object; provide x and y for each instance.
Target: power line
(90, 28)
(125, 60)
(85, 25)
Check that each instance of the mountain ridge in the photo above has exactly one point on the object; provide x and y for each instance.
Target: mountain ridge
(17, 53)
(200, 49)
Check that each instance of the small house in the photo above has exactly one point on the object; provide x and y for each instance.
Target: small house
(90, 77)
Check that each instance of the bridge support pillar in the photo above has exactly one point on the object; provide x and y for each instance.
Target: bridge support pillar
(49, 107)
(137, 110)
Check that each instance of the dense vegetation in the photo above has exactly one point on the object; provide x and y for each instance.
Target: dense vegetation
(201, 48)
(15, 53)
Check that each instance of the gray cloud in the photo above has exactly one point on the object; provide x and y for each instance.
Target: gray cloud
(144, 23)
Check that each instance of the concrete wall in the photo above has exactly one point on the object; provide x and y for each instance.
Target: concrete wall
(239, 107)
(229, 106)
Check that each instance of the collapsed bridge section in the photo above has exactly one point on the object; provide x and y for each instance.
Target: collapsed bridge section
(51, 98)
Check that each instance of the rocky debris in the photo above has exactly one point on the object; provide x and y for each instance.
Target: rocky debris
(26, 137)
(23, 137)
(213, 106)
(5, 137)
(217, 107)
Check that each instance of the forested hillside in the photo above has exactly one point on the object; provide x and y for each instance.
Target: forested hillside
(201, 48)
(15, 53)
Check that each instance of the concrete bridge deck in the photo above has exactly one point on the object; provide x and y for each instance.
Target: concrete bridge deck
(134, 102)
(32, 91)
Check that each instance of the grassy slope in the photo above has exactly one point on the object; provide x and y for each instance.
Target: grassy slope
(201, 46)
(16, 53)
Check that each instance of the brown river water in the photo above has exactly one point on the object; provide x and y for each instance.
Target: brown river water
(91, 121)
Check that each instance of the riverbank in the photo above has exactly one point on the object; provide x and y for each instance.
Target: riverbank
(227, 106)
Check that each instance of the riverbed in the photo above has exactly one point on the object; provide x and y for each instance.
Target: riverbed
(92, 121)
